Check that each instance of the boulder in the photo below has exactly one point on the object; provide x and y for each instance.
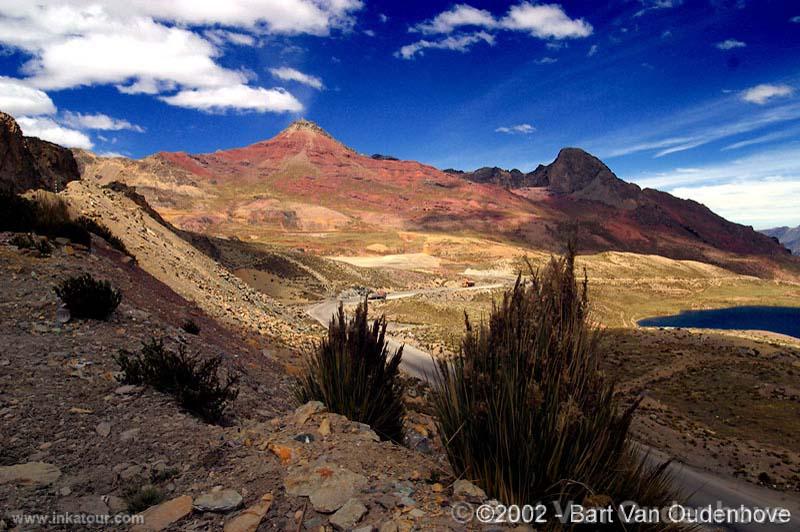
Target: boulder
(218, 501)
(29, 474)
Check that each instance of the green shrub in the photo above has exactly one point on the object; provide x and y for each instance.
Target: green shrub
(103, 232)
(525, 412)
(190, 327)
(191, 380)
(353, 374)
(86, 297)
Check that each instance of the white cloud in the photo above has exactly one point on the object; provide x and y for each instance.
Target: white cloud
(763, 139)
(693, 128)
(730, 44)
(383, 18)
(460, 15)
(761, 204)
(761, 94)
(221, 37)
(592, 51)
(796, 19)
(460, 43)
(762, 190)
(48, 129)
(18, 98)
(151, 46)
(547, 21)
(654, 5)
(239, 97)
(546, 61)
(544, 21)
(520, 129)
(110, 154)
(290, 74)
(99, 121)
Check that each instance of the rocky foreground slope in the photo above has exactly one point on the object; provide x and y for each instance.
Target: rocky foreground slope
(77, 442)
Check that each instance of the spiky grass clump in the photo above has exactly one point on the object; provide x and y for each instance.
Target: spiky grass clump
(353, 374)
(525, 411)
(88, 298)
(194, 382)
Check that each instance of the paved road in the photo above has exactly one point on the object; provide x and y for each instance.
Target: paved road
(704, 488)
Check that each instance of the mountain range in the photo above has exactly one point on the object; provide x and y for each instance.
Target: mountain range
(788, 236)
(306, 187)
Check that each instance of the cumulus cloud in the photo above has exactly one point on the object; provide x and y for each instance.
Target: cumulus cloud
(48, 129)
(98, 121)
(239, 97)
(761, 94)
(458, 16)
(543, 21)
(519, 129)
(291, 74)
(155, 47)
(459, 43)
(730, 44)
(18, 98)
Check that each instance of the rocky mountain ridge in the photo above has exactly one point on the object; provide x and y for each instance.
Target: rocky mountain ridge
(305, 182)
(29, 162)
(788, 236)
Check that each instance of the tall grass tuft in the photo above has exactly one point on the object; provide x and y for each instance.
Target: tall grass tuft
(44, 213)
(352, 372)
(525, 412)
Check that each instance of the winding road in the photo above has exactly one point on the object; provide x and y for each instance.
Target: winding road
(704, 488)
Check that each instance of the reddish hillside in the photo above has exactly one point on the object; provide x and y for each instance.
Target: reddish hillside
(303, 181)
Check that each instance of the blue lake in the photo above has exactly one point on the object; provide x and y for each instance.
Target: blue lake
(784, 320)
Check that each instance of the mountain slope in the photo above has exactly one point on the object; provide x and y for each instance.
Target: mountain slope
(305, 188)
(788, 236)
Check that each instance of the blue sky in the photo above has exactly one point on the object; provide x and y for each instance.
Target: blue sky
(700, 98)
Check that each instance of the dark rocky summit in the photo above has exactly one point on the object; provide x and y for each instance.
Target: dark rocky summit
(28, 162)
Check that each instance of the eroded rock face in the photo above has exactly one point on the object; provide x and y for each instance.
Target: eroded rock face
(17, 171)
(29, 162)
(55, 164)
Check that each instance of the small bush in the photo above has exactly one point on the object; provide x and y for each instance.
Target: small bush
(190, 327)
(140, 498)
(353, 374)
(86, 297)
(525, 412)
(103, 232)
(30, 241)
(193, 381)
